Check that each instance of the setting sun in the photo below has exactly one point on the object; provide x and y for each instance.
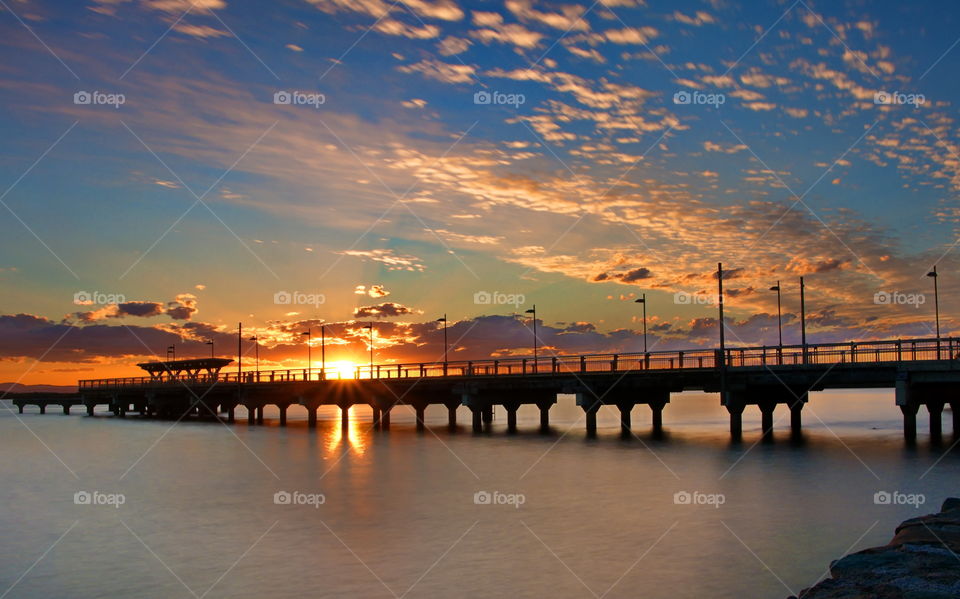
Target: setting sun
(342, 369)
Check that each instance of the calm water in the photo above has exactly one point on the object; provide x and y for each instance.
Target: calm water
(399, 517)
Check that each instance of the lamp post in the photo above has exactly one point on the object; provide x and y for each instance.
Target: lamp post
(309, 351)
(803, 320)
(370, 326)
(534, 312)
(239, 351)
(936, 304)
(445, 345)
(723, 352)
(643, 300)
(256, 345)
(172, 349)
(210, 343)
(779, 318)
(323, 351)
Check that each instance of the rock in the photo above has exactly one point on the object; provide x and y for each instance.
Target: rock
(920, 562)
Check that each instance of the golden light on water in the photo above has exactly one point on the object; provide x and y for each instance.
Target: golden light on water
(353, 436)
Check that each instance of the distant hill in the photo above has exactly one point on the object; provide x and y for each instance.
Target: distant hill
(19, 388)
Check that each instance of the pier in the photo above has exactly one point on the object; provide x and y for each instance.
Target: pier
(919, 372)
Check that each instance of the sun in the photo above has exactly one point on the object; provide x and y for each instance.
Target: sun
(343, 369)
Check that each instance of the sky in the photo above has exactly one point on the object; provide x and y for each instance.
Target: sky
(171, 168)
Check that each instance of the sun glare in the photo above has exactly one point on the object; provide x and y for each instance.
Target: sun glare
(344, 369)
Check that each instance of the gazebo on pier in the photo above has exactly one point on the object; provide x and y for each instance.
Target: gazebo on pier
(191, 370)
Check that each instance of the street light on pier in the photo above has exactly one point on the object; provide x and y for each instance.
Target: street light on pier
(172, 350)
(370, 326)
(256, 345)
(643, 300)
(534, 312)
(210, 343)
(309, 354)
(323, 352)
(779, 318)
(936, 304)
(445, 345)
(803, 320)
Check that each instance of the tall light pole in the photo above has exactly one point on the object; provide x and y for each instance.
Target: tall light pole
(256, 345)
(239, 351)
(643, 300)
(370, 326)
(309, 350)
(445, 344)
(936, 304)
(803, 320)
(723, 352)
(779, 318)
(534, 312)
(323, 351)
(172, 349)
(210, 343)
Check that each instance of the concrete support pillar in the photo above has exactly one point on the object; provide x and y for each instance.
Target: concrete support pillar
(20, 408)
(312, 417)
(251, 415)
(511, 408)
(122, 410)
(283, 413)
(43, 408)
(936, 420)
(232, 414)
(656, 408)
(90, 408)
(376, 416)
(955, 409)
(487, 415)
(626, 408)
(736, 420)
(385, 418)
(477, 420)
(766, 418)
(796, 420)
(345, 416)
(66, 409)
(421, 416)
(544, 417)
(452, 416)
(260, 414)
(910, 422)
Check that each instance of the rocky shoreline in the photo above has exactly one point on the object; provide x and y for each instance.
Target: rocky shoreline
(921, 562)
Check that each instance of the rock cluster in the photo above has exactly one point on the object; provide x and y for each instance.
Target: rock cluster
(921, 562)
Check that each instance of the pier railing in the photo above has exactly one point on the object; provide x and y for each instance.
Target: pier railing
(840, 354)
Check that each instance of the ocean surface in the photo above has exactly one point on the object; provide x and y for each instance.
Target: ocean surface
(103, 507)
